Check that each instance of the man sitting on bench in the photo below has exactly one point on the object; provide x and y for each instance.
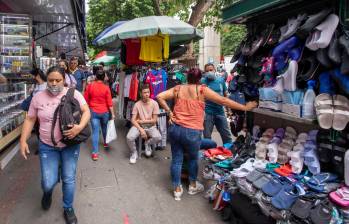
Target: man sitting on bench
(144, 117)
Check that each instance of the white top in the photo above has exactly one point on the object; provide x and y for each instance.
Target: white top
(127, 85)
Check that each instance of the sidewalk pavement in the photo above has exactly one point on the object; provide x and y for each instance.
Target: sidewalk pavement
(109, 191)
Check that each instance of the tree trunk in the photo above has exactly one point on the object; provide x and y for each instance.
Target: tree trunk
(199, 11)
(197, 15)
(157, 8)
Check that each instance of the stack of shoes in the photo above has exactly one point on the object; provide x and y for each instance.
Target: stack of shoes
(296, 155)
(261, 145)
(273, 145)
(286, 145)
(311, 159)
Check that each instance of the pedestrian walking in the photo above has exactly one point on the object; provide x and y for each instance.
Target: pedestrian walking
(77, 73)
(53, 157)
(186, 126)
(98, 97)
(70, 80)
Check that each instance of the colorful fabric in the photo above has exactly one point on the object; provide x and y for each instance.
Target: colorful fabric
(133, 95)
(133, 48)
(155, 48)
(155, 81)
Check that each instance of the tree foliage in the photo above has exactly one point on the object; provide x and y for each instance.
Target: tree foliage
(103, 13)
(231, 37)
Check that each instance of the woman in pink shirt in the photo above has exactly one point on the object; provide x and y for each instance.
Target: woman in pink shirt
(186, 128)
(41, 109)
(98, 97)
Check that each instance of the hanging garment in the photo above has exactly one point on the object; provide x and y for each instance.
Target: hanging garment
(155, 48)
(127, 84)
(129, 108)
(123, 53)
(164, 77)
(162, 127)
(156, 84)
(133, 94)
(133, 48)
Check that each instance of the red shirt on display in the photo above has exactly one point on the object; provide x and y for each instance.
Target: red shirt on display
(133, 47)
(98, 97)
(133, 95)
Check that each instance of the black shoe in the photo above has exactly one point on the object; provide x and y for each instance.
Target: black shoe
(69, 216)
(46, 201)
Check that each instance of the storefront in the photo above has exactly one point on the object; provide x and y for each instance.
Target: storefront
(34, 33)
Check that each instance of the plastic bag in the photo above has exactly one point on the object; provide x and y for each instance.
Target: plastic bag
(111, 132)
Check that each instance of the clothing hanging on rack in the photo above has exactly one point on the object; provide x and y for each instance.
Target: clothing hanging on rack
(133, 48)
(155, 48)
(162, 126)
(133, 94)
(127, 85)
(155, 80)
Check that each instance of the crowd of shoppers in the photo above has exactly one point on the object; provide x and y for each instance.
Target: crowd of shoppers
(198, 106)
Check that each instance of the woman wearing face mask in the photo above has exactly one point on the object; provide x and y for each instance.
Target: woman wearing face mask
(42, 109)
(70, 80)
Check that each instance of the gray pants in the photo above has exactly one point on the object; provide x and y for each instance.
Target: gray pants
(154, 137)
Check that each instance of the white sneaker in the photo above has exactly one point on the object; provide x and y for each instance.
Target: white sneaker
(148, 150)
(133, 157)
(178, 194)
(194, 190)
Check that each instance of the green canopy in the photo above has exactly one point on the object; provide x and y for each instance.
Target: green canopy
(107, 60)
(180, 32)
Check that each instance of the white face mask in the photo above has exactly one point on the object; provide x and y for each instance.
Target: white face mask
(55, 90)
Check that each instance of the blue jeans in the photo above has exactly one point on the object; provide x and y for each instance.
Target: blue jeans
(98, 120)
(184, 140)
(207, 144)
(50, 161)
(221, 124)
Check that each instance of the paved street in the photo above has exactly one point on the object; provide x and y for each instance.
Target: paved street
(110, 191)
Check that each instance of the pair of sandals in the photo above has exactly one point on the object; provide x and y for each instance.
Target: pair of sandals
(332, 111)
(286, 145)
(296, 155)
(261, 145)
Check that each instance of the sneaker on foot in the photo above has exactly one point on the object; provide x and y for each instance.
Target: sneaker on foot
(197, 189)
(94, 156)
(46, 201)
(178, 194)
(106, 146)
(69, 216)
(148, 150)
(133, 157)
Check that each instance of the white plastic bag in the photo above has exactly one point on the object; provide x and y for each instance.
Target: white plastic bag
(111, 132)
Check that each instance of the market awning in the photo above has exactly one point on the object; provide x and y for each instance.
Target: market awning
(57, 25)
(266, 11)
(108, 58)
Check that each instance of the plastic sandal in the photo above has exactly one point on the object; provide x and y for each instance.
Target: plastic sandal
(340, 196)
(340, 112)
(284, 170)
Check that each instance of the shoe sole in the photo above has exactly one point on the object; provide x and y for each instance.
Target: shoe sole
(194, 193)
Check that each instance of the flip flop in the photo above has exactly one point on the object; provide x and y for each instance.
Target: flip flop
(341, 197)
(340, 112)
(273, 152)
(324, 110)
(244, 169)
(284, 170)
(302, 138)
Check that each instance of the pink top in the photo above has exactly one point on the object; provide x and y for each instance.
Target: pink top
(189, 113)
(43, 106)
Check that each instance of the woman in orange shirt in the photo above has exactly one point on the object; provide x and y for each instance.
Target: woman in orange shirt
(98, 97)
(186, 128)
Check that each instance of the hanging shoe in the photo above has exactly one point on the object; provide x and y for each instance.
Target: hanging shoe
(290, 76)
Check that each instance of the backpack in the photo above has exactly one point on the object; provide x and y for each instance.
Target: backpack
(69, 112)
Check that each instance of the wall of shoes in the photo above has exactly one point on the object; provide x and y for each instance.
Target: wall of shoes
(15, 48)
(298, 69)
(11, 115)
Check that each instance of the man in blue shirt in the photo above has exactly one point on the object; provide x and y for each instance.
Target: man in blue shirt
(78, 74)
(214, 113)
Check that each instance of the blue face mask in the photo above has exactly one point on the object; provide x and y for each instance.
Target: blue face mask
(210, 76)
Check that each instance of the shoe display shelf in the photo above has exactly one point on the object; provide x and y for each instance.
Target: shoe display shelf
(280, 115)
(11, 116)
(15, 48)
